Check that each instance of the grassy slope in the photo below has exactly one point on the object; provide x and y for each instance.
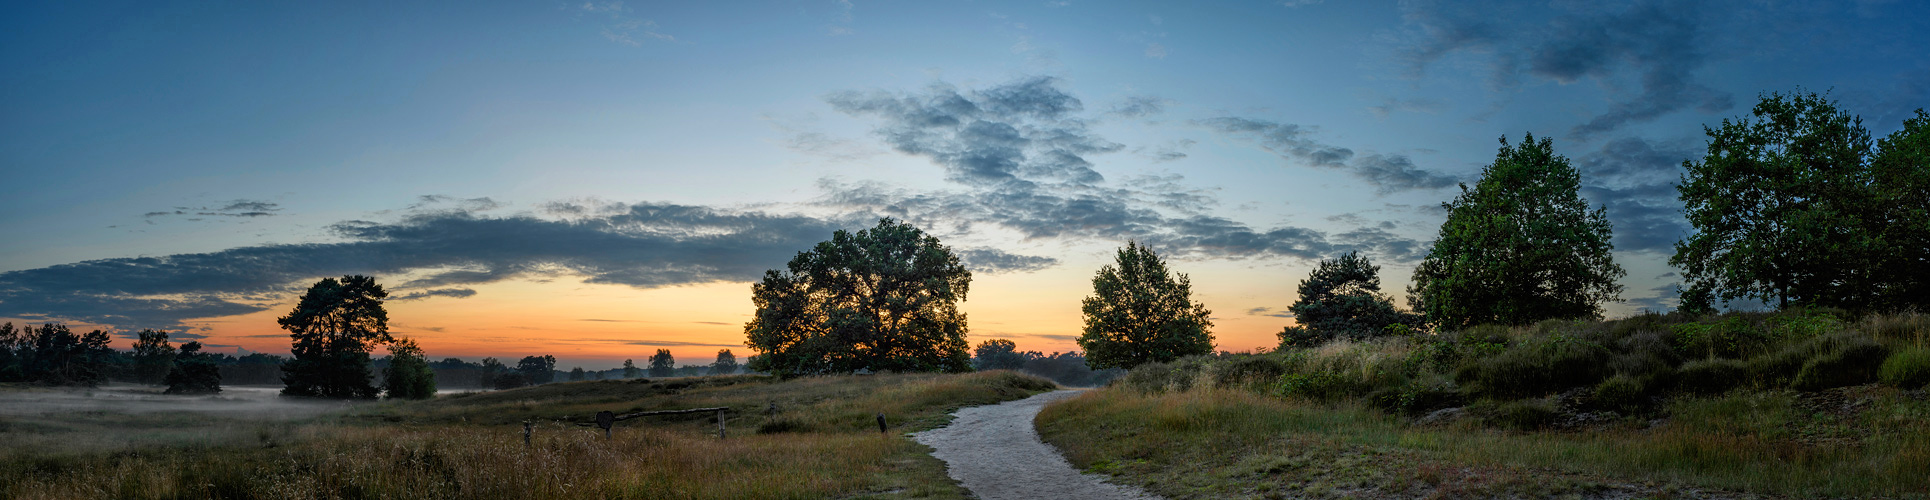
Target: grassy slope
(1220, 431)
(824, 443)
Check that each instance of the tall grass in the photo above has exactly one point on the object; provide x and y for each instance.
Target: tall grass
(472, 446)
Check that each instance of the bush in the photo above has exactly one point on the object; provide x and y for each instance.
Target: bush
(1537, 366)
(1417, 397)
(1245, 370)
(1908, 369)
(1620, 393)
(1319, 386)
(1733, 337)
(1847, 360)
(1710, 376)
(1526, 415)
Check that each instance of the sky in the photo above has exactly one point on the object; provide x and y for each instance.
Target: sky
(598, 180)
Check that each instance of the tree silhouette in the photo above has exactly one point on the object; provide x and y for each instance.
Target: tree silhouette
(1139, 312)
(193, 372)
(880, 299)
(998, 354)
(662, 364)
(1520, 247)
(538, 370)
(630, 369)
(408, 375)
(726, 363)
(153, 357)
(1342, 299)
(334, 326)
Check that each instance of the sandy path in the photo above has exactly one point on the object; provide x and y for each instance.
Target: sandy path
(995, 452)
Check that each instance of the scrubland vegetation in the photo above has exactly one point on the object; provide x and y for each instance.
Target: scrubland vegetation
(1803, 402)
(802, 438)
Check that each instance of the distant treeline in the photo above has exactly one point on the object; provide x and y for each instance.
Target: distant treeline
(1067, 368)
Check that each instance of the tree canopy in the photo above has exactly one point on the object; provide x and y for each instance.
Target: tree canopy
(193, 372)
(334, 326)
(1342, 299)
(408, 375)
(726, 363)
(879, 299)
(1796, 206)
(662, 364)
(1519, 247)
(1139, 312)
(998, 354)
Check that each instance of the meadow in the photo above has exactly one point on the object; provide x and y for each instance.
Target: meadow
(1797, 404)
(802, 438)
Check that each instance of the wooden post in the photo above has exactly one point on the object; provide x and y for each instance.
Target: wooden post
(525, 433)
(881, 423)
(720, 423)
(605, 419)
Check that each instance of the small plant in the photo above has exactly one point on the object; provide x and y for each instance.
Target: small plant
(1907, 369)
(1710, 376)
(1849, 360)
(1524, 415)
(1620, 393)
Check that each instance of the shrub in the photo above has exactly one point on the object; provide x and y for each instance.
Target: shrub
(1417, 397)
(1537, 366)
(1911, 328)
(1245, 370)
(1319, 386)
(1848, 360)
(1526, 415)
(1299, 337)
(1620, 393)
(1908, 369)
(1709, 376)
(1733, 337)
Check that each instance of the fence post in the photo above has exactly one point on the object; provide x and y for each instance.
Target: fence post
(881, 423)
(526, 433)
(720, 423)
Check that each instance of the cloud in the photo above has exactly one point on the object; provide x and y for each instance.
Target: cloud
(1391, 105)
(645, 246)
(993, 261)
(1171, 151)
(1387, 173)
(1004, 134)
(1268, 311)
(621, 27)
(1662, 43)
(719, 323)
(458, 293)
(1155, 50)
(236, 208)
(1019, 151)
(1635, 179)
(676, 343)
(1665, 299)
(1137, 107)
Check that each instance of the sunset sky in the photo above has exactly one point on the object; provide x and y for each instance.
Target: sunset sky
(598, 180)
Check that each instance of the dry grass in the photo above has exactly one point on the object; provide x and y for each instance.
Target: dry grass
(1217, 443)
(472, 446)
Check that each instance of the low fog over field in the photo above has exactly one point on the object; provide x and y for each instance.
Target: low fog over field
(119, 416)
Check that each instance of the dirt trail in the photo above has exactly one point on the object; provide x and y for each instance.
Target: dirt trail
(995, 452)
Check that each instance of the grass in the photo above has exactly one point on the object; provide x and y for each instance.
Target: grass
(1800, 403)
(1214, 443)
(471, 446)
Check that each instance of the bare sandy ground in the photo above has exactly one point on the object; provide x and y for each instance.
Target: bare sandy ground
(995, 452)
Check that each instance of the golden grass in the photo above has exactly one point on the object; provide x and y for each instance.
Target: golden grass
(472, 446)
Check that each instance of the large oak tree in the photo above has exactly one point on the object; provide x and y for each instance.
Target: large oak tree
(334, 326)
(884, 298)
(1140, 312)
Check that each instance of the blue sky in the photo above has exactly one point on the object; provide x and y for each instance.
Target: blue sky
(190, 166)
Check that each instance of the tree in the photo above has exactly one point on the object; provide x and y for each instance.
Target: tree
(998, 354)
(662, 364)
(55, 355)
(1139, 313)
(630, 369)
(334, 326)
(1782, 207)
(153, 357)
(408, 375)
(537, 370)
(726, 363)
(880, 299)
(577, 374)
(1342, 299)
(193, 372)
(1901, 169)
(1520, 247)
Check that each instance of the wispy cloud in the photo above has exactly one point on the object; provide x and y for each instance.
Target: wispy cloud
(678, 343)
(1386, 172)
(456, 293)
(623, 28)
(1268, 311)
(240, 208)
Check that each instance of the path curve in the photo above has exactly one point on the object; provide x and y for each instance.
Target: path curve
(996, 453)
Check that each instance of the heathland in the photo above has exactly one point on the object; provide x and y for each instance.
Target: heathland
(812, 437)
(1797, 403)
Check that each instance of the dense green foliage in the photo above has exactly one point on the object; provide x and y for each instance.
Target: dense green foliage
(1342, 299)
(880, 299)
(193, 372)
(1139, 312)
(53, 355)
(630, 369)
(1795, 207)
(408, 375)
(153, 357)
(334, 326)
(1519, 247)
